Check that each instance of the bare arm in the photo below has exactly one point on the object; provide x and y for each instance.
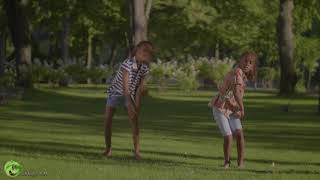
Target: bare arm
(238, 94)
(126, 92)
(125, 82)
(139, 92)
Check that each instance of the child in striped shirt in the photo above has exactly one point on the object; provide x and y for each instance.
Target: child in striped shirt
(126, 90)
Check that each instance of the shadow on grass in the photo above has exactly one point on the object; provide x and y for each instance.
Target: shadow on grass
(76, 153)
(80, 152)
(176, 118)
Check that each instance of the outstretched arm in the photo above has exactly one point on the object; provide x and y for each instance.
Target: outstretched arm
(126, 92)
(238, 95)
(139, 94)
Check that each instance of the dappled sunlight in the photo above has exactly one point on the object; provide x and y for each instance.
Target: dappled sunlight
(176, 131)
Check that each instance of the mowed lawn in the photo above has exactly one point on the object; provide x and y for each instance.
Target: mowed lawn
(60, 131)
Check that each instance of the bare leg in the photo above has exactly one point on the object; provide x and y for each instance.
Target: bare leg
(227, 150)
(133, 117)
(107, 130)
(240, 147)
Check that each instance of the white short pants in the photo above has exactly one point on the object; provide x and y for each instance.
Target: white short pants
(226, 125)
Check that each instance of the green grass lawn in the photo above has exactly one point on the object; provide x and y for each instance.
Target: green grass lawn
(60, 131)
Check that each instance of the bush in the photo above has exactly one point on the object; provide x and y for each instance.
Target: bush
(55, 76)
(40, 72)
(214, 69)
(161, 72)
(97, 74)
(44, 72)
(187, 73)
(67, 73)
(267, 73)
(300, 87)
(7, 80)
(77, 72)
(187, 77)
(301, 84)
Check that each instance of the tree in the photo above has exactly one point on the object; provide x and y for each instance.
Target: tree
(307, 38)
(308, 52)
(3, 39)
(214, 28)
(2, 52)
(288, 77)
(58, 17)
(17, 15)
(103, 26)
(65, 36)
(318, 79)
(140, 15)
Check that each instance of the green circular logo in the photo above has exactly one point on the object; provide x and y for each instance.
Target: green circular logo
(12, 168)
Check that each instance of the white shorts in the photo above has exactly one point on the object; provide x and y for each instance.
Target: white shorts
(226, 125)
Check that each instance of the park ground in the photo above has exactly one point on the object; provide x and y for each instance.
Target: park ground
(59, 131)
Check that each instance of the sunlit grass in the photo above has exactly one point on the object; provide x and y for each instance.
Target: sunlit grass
(60, 131)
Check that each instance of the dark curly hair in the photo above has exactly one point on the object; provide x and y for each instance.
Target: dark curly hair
(140, 44)
(252, 75)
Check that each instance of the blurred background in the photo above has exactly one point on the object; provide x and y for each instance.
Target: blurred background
(57, 57)
(78, 42)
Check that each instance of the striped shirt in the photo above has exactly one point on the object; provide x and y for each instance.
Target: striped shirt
(136, 72)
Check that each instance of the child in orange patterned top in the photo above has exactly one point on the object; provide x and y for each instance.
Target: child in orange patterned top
(228, 106)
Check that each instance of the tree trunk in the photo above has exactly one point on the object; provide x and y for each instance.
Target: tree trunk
(216, 53)
(112, 53)
(65, 40)
(309, 80)
(139, 22)
(131, 27)
(20, 32)
(318, 89)
(319, 97)
(2, 52)
(147, 16)
(94, 50)
(288, 78)
(89, 57)
(141, 12)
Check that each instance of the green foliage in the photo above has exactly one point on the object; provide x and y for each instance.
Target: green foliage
(44, 72)
(7, 80)
(178, 28)
(187, 73)
(267, 73)
(77, 72)
(40, 72)
(186, 76)
(96, 74)
(307, 55)
(301, 86)
(196, 26)
(161, 72)
(308, 52)
(71, 73)
(305, 12)
(56, 75)
(104, 20)
(214, 69)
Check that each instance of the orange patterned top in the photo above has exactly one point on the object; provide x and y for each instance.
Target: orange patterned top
(225, 100)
